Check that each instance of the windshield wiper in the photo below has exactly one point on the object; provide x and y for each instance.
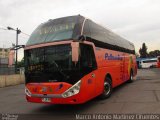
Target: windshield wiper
(60, 70)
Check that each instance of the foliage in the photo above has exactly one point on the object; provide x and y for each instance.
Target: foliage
(154, 53)
(20, 63)
(143, 51)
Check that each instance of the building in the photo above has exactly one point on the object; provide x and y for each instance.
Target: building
(6, 56)
(6, 61)
(4, 52)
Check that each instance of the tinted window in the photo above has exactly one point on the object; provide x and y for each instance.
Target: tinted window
(105, 38)
(149, 61)
(51, 32)
(58, 29)
(87, 56)
(49, 58)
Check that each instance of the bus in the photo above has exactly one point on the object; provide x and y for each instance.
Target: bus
(158, 61)
(149, 63)
(71, 60)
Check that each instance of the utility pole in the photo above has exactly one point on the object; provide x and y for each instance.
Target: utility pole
(18, 31)
(16, 47)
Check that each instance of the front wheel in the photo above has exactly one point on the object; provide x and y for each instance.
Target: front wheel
(107, 90)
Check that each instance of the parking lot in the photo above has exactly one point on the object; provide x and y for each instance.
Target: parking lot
(142, 96)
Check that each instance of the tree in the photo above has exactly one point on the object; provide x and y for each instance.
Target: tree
(143, 51)
(20, 63)
(154, 53)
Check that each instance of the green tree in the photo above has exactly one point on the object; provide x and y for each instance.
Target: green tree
(154, 53)
(20, 63)
(143, 51)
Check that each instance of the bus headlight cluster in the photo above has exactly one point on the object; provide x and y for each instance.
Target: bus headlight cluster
(73, 90)
(28, 93)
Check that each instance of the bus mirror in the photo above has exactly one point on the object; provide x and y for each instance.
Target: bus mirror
(75, 51)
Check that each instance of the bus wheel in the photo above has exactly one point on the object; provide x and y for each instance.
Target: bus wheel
(107, 89)
(131, 77)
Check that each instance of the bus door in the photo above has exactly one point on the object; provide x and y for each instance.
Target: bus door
(88, 64)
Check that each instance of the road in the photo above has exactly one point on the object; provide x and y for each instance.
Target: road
(141, 96)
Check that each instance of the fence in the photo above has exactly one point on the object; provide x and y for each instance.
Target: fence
(5, 70)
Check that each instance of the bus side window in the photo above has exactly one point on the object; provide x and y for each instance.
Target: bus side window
(87, 57)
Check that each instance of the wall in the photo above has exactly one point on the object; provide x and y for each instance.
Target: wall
(9, 80)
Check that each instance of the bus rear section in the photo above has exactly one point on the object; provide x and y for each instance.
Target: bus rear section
(68, 61)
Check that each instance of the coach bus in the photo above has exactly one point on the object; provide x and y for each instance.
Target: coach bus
(149, 63)
(72, 60)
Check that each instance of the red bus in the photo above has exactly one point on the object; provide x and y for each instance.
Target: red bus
(158, 61)
(72, 60)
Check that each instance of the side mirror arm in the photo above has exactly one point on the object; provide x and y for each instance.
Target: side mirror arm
(75, 51)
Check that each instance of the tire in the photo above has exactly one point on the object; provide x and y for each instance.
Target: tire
(107, 89)
(131, 77)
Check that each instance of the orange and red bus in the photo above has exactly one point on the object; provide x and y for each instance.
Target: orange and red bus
(72, 60)
(158, 61)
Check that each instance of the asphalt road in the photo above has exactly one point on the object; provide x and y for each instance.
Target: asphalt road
(142, 96)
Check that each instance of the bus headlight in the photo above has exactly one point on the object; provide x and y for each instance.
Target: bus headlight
(72, 90)
(28, 93)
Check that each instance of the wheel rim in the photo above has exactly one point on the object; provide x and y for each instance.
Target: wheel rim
(107, 88)
(131, 77)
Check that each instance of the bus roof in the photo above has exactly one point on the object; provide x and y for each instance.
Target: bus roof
(72, 27)
(149, 59)
(143, 59)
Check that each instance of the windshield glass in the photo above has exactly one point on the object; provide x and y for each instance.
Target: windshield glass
(54, 64)
(48, 33)
(64, 28)
(53, 58)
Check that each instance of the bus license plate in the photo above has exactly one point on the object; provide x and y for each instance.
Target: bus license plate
(46, 99)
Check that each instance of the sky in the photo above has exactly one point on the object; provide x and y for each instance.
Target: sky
(135, 20)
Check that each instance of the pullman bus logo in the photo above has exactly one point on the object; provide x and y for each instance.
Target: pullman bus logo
(111, 57)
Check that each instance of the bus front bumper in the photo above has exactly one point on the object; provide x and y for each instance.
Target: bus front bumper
(68, 94)
(55, 99)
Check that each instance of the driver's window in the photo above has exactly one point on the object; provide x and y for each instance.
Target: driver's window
(87, 56)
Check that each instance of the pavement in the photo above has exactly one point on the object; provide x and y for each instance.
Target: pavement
(141, 96)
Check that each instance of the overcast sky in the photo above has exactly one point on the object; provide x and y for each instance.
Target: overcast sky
(136, 20)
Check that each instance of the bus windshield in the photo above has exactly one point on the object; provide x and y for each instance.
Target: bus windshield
(53, 30)
(54, 64)
(51, 58)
